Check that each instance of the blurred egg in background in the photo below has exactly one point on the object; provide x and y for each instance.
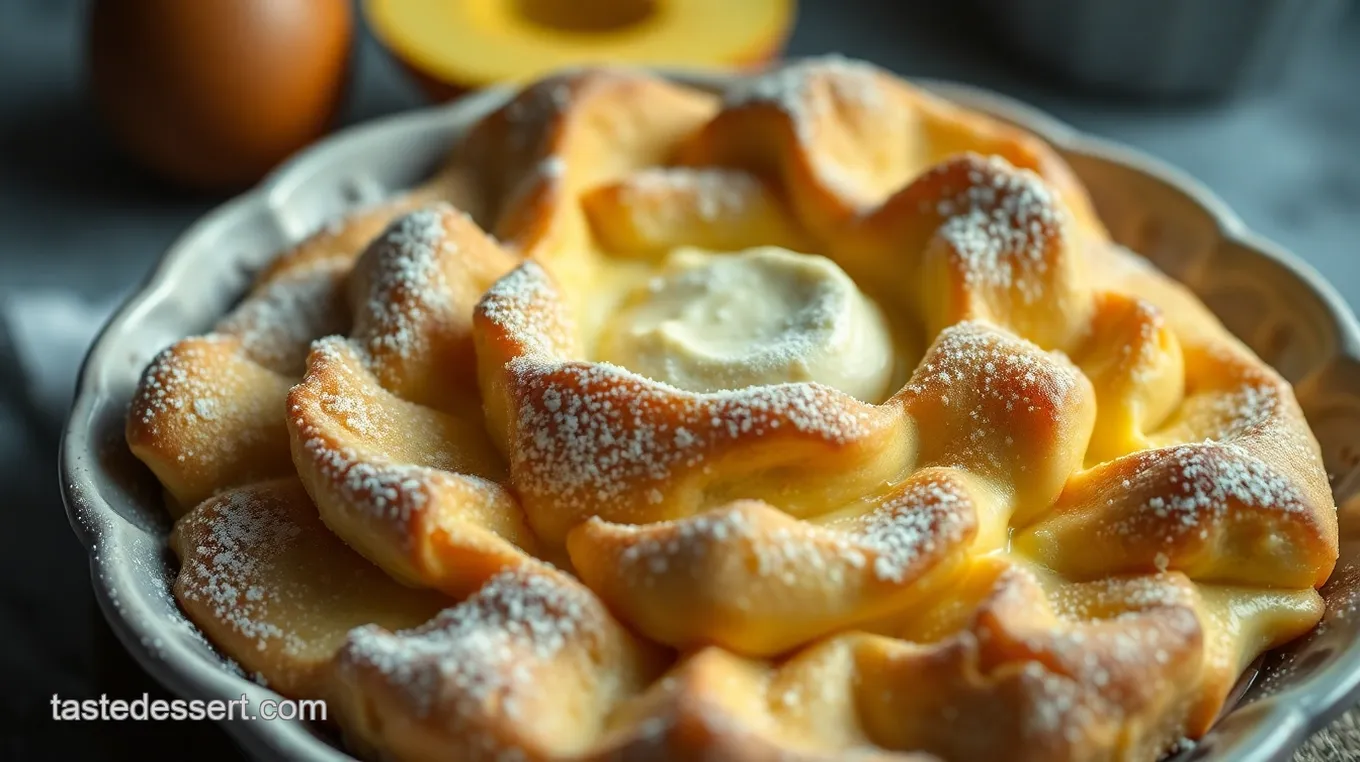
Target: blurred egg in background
(212, 94)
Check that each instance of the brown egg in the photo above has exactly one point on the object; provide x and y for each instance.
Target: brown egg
(214, 93)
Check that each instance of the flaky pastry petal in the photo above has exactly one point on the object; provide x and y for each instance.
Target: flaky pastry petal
(532, 664)
(1234, 497)
(755, 580)
(652, 211)
(843, 136)
(206, 413)
(270, 585)
(993, 404)
(386, 427)
(1021, 682)
(562, 135)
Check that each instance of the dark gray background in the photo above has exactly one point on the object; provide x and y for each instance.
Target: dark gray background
(75, 214)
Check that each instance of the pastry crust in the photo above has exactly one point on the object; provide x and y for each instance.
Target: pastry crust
(269, 585)
(1083, 512)
(204, 416)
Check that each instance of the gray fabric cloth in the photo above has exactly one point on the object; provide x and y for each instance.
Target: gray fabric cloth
(43, 338)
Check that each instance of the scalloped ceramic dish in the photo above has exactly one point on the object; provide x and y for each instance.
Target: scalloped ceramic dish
(1269, 298)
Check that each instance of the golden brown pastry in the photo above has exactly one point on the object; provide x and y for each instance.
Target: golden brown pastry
(819, 420)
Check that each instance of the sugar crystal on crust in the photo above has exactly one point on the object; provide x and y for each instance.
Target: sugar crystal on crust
(223, 571)
(484, 648)
(410, 285)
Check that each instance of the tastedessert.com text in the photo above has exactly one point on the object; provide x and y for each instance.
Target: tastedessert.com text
(158, 709)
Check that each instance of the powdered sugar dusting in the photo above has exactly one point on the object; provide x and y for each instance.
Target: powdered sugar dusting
(227, 570)
(532, 110)
(528, 308)
(192, 395)
(178, 381)
(659, 548)
(1130, 653)
(277, 324)
(1237, 412)
(1140, 351)
(189, 401)
(593, 435)
(717, 193)
(481, 655)
(356, 405)
(1058, 704)
(895, 542)
(1002, 225)
(1196, 486)
(408, 286)
(1116, 648)
(733, 538)
(394, 492)
(913, 526)
(1257, 410)
(596, 438)
(367, 480)
(1122, 594)
(1145, 352)
(793, 89)
(988, 378)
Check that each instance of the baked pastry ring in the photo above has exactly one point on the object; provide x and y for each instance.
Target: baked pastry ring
(1077, 510)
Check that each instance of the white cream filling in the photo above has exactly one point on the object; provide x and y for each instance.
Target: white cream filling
(760, 316)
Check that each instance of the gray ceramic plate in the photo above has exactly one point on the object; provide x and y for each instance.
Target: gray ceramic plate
(1273, 301)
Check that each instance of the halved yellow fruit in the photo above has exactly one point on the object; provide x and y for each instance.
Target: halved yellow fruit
(454, 45)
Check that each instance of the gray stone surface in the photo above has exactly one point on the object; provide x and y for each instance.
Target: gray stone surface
(74, 214)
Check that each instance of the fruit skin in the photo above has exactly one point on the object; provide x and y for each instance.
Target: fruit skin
(391, 20)
(212, 94)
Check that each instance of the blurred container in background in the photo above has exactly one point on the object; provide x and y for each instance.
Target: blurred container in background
(1164, 48)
